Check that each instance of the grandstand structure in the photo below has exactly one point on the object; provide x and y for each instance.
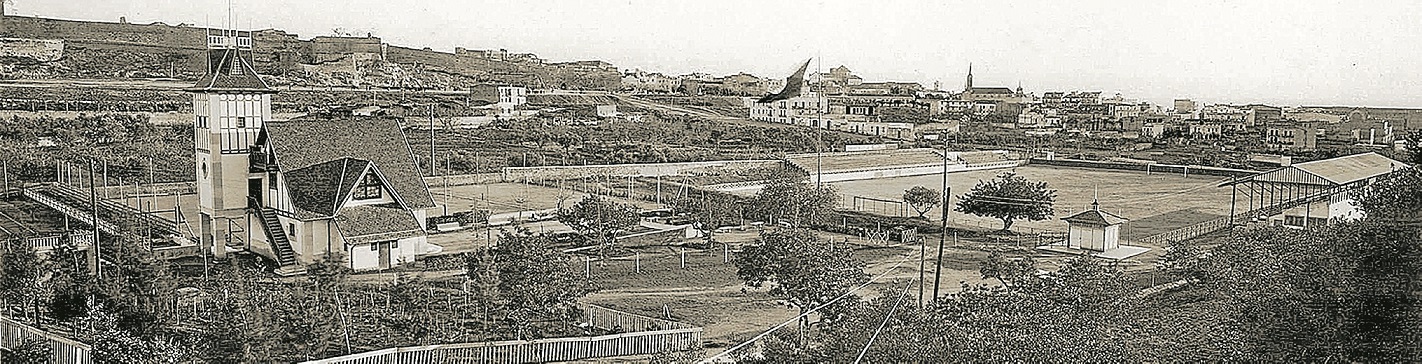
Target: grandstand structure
(849, 166)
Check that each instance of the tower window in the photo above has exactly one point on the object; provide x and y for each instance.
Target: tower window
(369, 188)
(236, 65)
(241, 122)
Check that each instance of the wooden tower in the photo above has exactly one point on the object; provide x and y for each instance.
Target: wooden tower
(230, 106)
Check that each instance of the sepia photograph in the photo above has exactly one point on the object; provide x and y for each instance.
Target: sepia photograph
(724, 181)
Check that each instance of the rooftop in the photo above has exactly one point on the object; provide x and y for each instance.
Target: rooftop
(232, 72)
(1330, 172)
(1095, 216)
(322, 158)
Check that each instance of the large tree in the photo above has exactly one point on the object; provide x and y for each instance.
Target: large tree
(793, 202)
(1071, 315)
(922, 199)
(1413, 143)
(709, 211)
(21, 272)
(1009, 197)
(805, 271)
(532, 279)
(600, 218)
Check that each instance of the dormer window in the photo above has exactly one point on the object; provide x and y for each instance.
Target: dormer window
(369, 188)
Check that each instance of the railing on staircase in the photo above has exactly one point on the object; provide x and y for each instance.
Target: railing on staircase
(281, 246)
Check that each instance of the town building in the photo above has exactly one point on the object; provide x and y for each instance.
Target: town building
(1291, 137)
(1156, 129)
(1259, 115)
(1003, 94)
(298, 191)
(638, 81)
(805, 109)
(1206, 129)
(1184, 106)
(511, 98)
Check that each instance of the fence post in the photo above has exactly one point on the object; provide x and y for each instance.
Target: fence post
(638, 259)
(683, 257)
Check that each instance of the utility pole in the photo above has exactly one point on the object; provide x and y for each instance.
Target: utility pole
(922, 246)
(94, 203)
(943, 223)
(432, 141)
(819, 116)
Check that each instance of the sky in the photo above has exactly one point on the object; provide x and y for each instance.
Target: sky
(1275, 52)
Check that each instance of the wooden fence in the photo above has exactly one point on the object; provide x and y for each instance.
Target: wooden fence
(610, 319)
(531, 351)
(664, 336)
(1206, 227)
(65, 351)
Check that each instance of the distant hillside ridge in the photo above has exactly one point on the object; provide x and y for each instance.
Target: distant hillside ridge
(109, 50)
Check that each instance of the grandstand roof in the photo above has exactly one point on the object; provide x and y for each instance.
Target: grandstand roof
(1330, 172)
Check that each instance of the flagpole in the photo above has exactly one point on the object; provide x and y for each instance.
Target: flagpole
(819, 118)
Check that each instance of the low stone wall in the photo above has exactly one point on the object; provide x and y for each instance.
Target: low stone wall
(512, 174)
(464, 179)
(918, 170)
(1150, 168)
(36, 50)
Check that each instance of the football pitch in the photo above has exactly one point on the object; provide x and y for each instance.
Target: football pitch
(1166, 199)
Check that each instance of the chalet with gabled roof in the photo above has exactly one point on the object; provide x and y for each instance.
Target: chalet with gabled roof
(343, 185)
(302, 190)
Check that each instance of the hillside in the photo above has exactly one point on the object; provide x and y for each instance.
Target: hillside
(41, 48)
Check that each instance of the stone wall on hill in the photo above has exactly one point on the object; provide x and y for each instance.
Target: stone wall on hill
(34, 50)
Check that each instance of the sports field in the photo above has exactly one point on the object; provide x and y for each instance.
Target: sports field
(508, 197)
(1168, 200)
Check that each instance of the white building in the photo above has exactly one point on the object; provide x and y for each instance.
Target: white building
(511, 97)
(1094, 229)
(808, 109)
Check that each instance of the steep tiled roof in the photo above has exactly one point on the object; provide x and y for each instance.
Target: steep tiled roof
(230, 71)
(369, 223)
(318, 190)
(991, 90)
(323, 157)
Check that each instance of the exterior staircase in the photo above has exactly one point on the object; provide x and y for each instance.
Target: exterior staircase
(281, 246)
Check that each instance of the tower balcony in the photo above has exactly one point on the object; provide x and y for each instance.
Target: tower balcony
(229, 39)
(258, 160)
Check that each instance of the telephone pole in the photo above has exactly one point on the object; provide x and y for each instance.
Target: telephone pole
(94, 203)
(943, 223)
(432, 141)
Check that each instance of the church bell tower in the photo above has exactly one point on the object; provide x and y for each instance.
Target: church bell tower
(230, 106)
